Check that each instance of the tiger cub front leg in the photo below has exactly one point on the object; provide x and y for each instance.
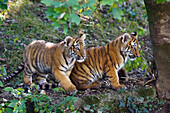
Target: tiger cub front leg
(65, 82)
(114, 79)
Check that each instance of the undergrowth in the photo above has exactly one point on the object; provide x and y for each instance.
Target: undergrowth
(27, 21)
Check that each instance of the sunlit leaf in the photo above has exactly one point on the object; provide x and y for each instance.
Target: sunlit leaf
(1, 84)
(12, 104)
(8, 89)
(75, 18)
(3, 70)
(168, 0)
(16, 109)
(160, 1)
(117, 13)
(20, 89)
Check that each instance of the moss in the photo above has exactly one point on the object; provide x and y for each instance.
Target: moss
(142, 92)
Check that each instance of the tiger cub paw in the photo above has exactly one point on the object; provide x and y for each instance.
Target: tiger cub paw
(71, 90)
(118, 87)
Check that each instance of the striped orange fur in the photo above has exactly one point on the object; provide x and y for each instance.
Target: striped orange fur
(43, 58)
(105, 61)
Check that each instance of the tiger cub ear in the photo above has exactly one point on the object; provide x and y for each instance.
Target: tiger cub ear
(134, 35)
(125, 37)
(68, 41)
(83, 36)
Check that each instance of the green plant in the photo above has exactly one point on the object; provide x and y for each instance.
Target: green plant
(64, 14)
(40, 102)
(162, 1)
(3, 7)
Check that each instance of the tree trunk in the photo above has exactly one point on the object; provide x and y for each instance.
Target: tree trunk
(159, 26)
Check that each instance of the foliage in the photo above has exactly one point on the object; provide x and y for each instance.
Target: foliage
(139, 62)
(72, 10)
(162, 1)
(3, 6)
(139, 105)
(41, 103)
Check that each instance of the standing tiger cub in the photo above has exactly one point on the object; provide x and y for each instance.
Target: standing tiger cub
(57, 58)
(107, 60)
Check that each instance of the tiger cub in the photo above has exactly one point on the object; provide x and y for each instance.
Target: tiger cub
(58, 59)
(105, 61)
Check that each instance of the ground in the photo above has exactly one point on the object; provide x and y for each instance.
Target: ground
(28, 22)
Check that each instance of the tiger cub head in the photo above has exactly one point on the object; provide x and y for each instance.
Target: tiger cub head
(130, 45)
(76, 47)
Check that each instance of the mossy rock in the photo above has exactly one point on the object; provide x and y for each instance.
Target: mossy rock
(144, 92)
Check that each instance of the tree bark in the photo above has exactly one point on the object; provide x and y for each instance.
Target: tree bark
(159, 26)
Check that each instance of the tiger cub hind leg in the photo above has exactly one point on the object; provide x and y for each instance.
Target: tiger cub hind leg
(114, 80)
(43, 84)
(94, 85)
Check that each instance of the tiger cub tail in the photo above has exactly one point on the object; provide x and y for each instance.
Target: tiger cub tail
(15, 73)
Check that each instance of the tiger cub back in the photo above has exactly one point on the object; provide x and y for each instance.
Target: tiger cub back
(105, 61)
(45, 58)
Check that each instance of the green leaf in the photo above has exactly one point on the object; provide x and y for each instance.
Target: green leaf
(8, 89)
(48, 2)
(87, 12)
(3, 6)
(72, 2)
(1, 84)
(56, 25)
(65, 29)
(3, 70)
(20, 89)
(107, 2)
(168, 0)
(8, 110)
(5, 1)
(12, 104)
(75, 18)
(56, 4)
(160, 1)
(117, 13)
(16, 109)
(50, 11)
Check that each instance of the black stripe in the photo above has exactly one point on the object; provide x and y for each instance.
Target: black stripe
(28, 68)
(62, 64)
(65, 59)
(77, 80)
(121, 53)
(95, 55)
(90, 57)
(41, 76)
(109, 55)
(100, 52)
(116, 42)
(107, 71)
(36, 57)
